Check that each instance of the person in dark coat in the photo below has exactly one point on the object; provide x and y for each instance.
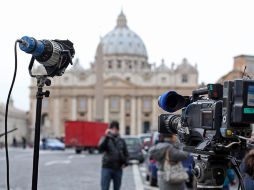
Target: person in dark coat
(24, 142)
(14, 142)
(115, 157)
(159, 151)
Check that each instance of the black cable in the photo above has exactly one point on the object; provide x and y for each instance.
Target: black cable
(6, 118)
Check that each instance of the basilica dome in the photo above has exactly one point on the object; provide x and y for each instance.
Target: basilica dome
(123, 41)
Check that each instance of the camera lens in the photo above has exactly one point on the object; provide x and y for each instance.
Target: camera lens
(168, 123)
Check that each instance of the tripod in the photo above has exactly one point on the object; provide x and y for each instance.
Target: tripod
(41, 81)
(212, 170)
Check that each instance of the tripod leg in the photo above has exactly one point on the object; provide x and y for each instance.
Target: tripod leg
(238, 173)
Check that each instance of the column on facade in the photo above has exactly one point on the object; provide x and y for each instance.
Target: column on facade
(106, 109)
(139, 116)
(133, 126)
(122, 116)
(56, 117)
(89, 108)
(155, 113)
(32, 116)
(93, 109)
(74, 108)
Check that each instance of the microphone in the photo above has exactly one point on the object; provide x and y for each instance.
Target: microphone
(171, 101)
(54, 55)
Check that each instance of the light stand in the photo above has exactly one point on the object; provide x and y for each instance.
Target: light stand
(55, 56)
(41, 81)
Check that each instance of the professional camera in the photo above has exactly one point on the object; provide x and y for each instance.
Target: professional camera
(215, 127)
(54, 55)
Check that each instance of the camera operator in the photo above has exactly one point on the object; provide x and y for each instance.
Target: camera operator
(170, 146)
(115, 157)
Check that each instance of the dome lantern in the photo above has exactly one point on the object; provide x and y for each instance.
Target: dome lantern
(121, 21)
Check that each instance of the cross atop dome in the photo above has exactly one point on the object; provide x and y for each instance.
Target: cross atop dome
(121, 20)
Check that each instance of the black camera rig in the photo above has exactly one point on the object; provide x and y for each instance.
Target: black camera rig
(215, 125)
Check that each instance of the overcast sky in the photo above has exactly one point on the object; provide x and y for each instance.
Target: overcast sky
(207, 32)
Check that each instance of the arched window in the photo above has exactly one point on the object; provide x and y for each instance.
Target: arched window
(127, 130)
(45, 103)
(146, 127)
(127, 104)
(44, 119)
(184, 78)
(119, 64)
(114, 103)
(147, 103)
(110, 64)
(82, 104)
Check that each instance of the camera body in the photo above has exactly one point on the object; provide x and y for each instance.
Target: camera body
(228, 110)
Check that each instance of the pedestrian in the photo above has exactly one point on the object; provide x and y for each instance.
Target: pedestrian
(24, 142)
(14, 142)
(115, 157)
(169, 150)
(44, 144)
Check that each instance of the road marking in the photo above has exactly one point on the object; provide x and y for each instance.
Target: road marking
(143, 173)
(57, 162)
(70, 157)
(148, 187)
(137, 178)
(76, 156)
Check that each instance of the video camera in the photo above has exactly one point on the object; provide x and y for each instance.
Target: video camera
(215, 127)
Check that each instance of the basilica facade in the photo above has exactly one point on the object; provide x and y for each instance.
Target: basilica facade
(120, 85)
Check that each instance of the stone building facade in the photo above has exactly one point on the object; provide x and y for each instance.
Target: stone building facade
(120, 85)
(240, 63)
(16, 119)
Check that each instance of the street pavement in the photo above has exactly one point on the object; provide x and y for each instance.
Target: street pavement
(63, 170)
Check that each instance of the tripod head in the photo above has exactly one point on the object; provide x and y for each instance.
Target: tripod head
(210, 169)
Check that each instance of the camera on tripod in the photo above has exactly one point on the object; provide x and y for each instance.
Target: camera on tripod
(214, 124)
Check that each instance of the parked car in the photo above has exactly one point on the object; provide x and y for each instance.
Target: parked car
(52, 144)
(134, 148)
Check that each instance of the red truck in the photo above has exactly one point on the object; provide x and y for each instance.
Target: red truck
(84, 135)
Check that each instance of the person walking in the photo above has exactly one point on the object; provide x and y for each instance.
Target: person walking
(115, 157)
(24, 142)
(14, 142)
(168, 150)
